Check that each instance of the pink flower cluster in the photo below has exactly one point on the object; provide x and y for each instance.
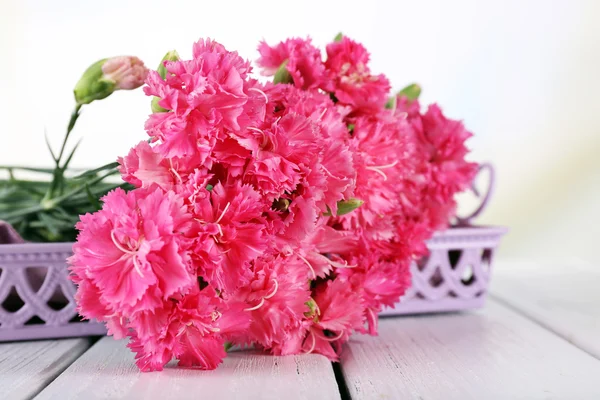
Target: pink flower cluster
(244, 228)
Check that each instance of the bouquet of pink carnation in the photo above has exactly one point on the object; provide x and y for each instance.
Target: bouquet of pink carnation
(282, 215)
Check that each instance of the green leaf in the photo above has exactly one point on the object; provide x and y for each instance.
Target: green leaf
(49, 223)
(283, 75)
(94, 172)
(93, 199)
(59, 200)
(70, 157)
(338, 37)
(50, 147)
(30, 169)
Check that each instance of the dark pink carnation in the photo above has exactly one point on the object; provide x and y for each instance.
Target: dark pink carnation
(230, 234)
(233, 234)
(131, 252)
(353, 83)
(303, 62)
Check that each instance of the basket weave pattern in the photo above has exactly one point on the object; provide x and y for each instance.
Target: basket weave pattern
(37, 297)
(456, 273)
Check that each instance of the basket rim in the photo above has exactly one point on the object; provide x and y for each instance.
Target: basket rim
(452, 232)
(16, 248)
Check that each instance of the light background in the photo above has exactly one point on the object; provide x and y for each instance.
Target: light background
(523, 75)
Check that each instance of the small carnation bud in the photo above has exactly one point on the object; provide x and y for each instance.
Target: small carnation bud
(103, 77)
(283, 75)
(156, 108)
(170, 56)
(162, 71)
(344, 207)
(347, 206)
(411, 92)
(127, 72)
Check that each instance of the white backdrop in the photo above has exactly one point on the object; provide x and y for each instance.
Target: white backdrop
(522, 74)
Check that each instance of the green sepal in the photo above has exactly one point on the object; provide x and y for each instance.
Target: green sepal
(283, 75)
(170, 56)
(344, 207)
(156, 108)
(92, 85)
(411, 92)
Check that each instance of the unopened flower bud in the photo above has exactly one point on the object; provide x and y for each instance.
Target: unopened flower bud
(411, 92)
(127, 72)
(103, 77)
(170, 56)
(283, 75)
(344, 207)
(347, 206)
(162, 71)
(155, 107)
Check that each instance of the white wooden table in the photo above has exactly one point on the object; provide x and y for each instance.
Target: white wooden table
(537, 338)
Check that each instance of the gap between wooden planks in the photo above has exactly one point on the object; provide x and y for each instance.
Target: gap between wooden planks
(493, 353)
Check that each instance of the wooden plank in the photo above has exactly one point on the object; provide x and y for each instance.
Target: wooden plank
(493, 353)
(564, 297)
(27, 367)
(107, 371)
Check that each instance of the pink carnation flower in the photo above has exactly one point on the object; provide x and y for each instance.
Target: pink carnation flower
(206, 95)
(232, 234)
(379, 282)
(192, 329)
(276, 296)
(303, 62)
(382, 157)
(131, 251)
(338, 311)
(353, 83)
(441, 170)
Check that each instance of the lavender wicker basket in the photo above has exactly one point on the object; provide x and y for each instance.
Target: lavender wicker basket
(456, 273)
(37, 297)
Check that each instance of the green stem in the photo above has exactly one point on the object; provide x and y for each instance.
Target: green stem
(72, 122)
(58, 176)
(60, 199)
(48, 204)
